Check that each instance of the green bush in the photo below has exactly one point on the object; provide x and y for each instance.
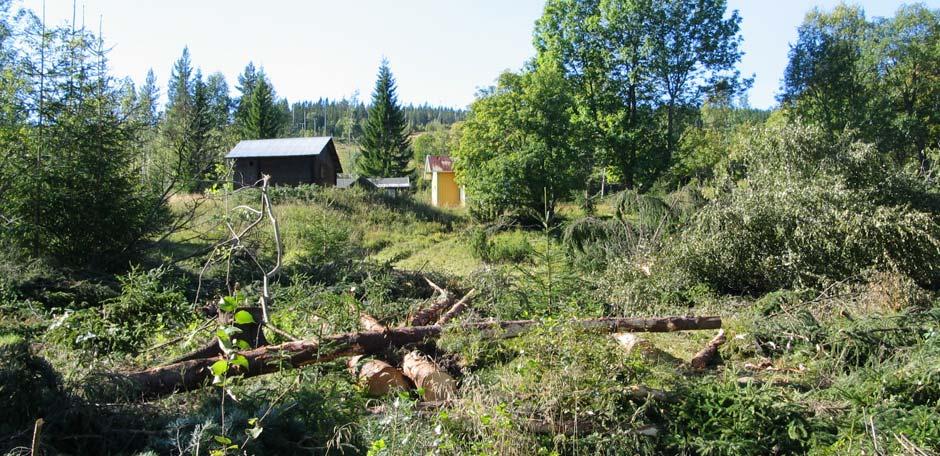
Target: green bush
(511, 247)
(720, 417)
(320, 244)
(149, 304)
(810, 209)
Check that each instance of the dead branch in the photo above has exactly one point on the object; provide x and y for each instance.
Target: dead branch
(193, 374)
(444, 302)
(457, 309)
(705, 355)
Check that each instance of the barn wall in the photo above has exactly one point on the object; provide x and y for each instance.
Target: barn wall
(325, 170)
(246, 171)
(288, 170)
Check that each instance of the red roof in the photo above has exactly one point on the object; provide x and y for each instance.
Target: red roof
(438, 164)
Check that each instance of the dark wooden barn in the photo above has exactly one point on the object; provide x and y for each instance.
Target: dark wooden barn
(289, 161)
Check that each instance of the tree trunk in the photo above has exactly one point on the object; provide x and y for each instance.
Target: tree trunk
(378, 378)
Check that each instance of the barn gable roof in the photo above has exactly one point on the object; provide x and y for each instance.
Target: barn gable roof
(438, 164)
(281, 147)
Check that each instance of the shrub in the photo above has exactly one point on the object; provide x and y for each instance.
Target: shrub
(511, 247)
(810, 210)
(148, 305)
(320, 244)
(719, 417)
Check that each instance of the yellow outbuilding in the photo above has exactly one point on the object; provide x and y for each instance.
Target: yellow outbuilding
(444, 189)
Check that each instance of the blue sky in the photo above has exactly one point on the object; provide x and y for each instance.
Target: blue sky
(440, 51)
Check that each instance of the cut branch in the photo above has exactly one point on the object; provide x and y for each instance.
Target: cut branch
(444, 302)
(705, 356)
(457, 309)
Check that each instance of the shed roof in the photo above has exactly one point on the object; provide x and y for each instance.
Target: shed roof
(391, 182)
(377, 182)
(282, 147)
(438, 164)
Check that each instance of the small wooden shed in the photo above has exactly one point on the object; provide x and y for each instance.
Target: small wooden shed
(444, 189)
(289, 161)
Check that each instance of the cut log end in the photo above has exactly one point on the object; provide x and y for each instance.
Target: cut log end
(435, 384)
(378, 378)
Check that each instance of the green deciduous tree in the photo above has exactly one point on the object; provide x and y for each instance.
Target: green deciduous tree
(880, 77)
(385, 145)
(519, 150)
(637, 66)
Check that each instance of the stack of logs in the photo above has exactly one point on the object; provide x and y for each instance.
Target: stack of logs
(378, 377)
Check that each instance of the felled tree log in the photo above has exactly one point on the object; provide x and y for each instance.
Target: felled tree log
(369, 323)
(705, 355)
(434, 383)
(195, 373)
(378, 378)
(375, 376)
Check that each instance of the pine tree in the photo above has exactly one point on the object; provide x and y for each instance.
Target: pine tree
(180, 90)
(385, 144)
(189, 148)
(220, 104)
(263, 119)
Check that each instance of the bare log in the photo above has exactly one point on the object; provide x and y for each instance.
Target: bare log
(705, 355)
(375, 376)
(434, 383)
(369, 323)
(195, 373)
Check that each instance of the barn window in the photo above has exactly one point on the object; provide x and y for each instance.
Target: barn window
(251, 163)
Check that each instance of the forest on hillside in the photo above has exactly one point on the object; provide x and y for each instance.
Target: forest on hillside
(646, 264)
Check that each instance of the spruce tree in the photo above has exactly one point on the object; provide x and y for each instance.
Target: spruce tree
(189, 146)
(385, 144)
(148, 97)
(263, 119)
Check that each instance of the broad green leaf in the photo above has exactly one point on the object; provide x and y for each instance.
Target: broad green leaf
(243, 344)
(220, 367)
(227, 304)
(243, 318)
(240, 361)
(223, 439)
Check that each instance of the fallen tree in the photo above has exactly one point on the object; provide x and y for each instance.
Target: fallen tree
(195, 373)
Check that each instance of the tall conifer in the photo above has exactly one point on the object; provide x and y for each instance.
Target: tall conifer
(385, 144)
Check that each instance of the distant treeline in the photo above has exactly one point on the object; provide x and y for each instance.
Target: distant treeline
(343, 118)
